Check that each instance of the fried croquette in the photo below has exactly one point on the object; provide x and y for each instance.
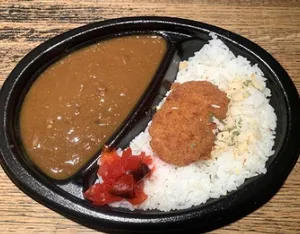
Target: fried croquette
(182, 129)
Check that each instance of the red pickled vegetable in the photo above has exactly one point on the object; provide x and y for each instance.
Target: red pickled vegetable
(140, 195)
(127, 153)
(111, 166)
(99, 195)
(132, 162)
(123, 186)
(122, 178)
(141, 172)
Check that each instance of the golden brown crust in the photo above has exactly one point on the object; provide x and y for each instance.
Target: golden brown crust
(181, 130)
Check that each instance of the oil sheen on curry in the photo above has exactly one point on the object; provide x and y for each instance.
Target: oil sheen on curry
(77, 103)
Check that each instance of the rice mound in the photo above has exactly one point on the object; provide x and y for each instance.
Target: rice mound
(244, 140)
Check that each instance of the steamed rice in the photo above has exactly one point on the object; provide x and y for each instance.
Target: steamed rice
(244, 140)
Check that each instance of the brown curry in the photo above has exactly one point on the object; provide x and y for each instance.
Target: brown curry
(78, 103)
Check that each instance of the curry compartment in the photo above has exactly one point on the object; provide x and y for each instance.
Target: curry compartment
(89, 98)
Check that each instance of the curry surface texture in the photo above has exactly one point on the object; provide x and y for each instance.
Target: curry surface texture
(77, 103)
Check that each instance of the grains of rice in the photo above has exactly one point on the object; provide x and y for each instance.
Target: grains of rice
(244, 140)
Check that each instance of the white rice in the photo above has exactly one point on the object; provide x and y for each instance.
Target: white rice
(243, 143)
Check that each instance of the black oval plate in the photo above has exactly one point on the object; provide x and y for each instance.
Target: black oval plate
(184, 38)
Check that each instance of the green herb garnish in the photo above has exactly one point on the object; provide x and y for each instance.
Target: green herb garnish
(193, 145)
(211, 117)
(247, 82)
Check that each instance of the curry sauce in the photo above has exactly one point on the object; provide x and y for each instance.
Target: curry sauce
(77, 103)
